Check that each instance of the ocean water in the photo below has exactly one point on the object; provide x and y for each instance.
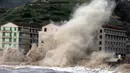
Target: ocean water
(37, 69)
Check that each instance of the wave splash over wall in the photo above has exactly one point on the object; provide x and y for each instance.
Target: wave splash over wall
(75, 40)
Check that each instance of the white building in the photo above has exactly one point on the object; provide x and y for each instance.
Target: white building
(19, 36)
(113, 39)
(47, 30)
(110, 38)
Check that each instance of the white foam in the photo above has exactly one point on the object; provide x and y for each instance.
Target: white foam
(76, 69)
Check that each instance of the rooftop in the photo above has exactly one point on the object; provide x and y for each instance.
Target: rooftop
(26, 25)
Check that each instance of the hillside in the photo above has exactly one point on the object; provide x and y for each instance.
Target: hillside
(39, 12)
(12, 3)
(34, 13)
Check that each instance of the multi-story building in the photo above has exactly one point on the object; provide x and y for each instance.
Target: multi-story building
(110, 38)
(128, 46)
(128, 52)
(46, 30)
(18, 36)
(113, 39)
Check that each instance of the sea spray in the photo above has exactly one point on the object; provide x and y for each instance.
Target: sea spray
(98, 59)
(32, 55)
(125, 68)
(12, 56)
(75, 40)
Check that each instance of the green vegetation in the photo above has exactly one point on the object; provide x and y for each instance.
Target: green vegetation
(42, 12)
(39, 12)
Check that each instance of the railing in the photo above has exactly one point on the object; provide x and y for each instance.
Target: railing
(7, 42)
(6, 37)
(6, 31)
(128, 42)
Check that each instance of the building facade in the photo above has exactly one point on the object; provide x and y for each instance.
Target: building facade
(46, 31)
(113, 39)
(17, 36)
(128, 46)
(109, 38)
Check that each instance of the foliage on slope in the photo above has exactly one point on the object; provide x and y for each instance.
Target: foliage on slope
(39, 12)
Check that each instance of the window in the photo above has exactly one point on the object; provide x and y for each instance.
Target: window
(108, 42)
(111, 48)
(3, 28)
(42, 42)
(45, 29)
(105, 42)
(121, 33)
(105, 30)
(10, 28)
(14, 40)
(3, 33)
(31, 35)
(10, 40)
(114, 37)
(100, 48)
(114, 32)
(34, 30)
(106, 48)
(100, 31)
(14, 34)
(113, 43)
(3, 39)
(15, 29)
(100, 36)
(116, 49)
(108, 37)
(100, 43)
(19, 28)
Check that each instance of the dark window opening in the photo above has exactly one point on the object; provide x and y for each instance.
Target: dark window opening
(105, 42)
(100, 43)
(42, 42)
(31, 35)
(100, 48)
(19, 28)
(100, 31)
(45, 29)
(100, 36)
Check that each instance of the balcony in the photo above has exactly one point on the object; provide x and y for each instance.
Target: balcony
(7, 42)
(35, 33)
(7, 31)
(6, 37)
(128, 43)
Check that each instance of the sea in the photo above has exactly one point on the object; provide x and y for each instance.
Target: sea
(38, 69)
